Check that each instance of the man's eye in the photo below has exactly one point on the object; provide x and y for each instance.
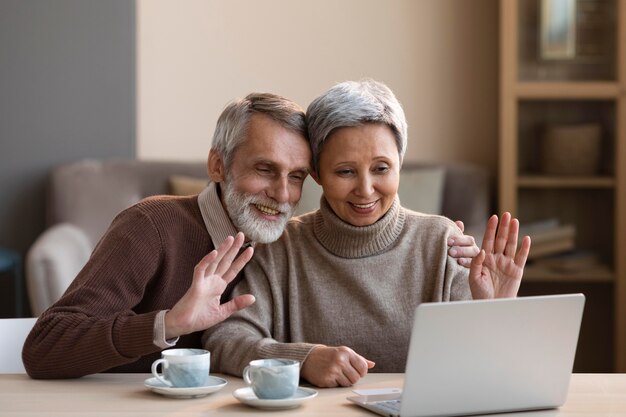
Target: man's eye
(297, 177)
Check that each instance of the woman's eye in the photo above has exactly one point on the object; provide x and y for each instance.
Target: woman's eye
(381, 169)
(344, 172)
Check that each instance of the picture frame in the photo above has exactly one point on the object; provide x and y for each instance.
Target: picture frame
(558, 29)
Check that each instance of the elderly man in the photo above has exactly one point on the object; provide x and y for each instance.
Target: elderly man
(149, 283)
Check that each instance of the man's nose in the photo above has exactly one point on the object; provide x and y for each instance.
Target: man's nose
(279, 190)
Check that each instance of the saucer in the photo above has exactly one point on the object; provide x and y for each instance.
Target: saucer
(247, 396)
(214, 384)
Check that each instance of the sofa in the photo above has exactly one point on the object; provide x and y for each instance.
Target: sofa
(84, 196)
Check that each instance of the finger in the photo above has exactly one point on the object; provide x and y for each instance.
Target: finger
(503, 233)
(490, 234)
(221, 250)
(522, 255)
(343, 381)
(463, 251)
(230, 254)
(238, 265)
(464, 261)
(477, 265)
(238, 303)
(460, 225)
(370, 364)
(351, 375)
(201, 267)
(359, 363)
(511, 243)
(461, 240)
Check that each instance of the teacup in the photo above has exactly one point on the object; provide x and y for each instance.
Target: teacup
(183, 368)
(273, 378)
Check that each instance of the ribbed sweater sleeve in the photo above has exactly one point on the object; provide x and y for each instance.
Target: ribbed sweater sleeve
(142, 265)
(92, 327)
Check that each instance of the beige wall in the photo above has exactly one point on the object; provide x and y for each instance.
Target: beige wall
(439, 56)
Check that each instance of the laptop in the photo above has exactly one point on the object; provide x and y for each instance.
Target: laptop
(486, 356)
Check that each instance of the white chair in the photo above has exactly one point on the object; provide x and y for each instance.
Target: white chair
(53, 261)
(13, 332)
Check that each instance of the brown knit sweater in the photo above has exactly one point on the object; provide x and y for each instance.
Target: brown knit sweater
(327, 282)
(105, 320)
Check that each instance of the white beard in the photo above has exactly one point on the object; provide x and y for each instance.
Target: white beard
(247, 220)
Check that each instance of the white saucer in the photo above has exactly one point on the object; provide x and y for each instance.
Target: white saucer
(214, 384)
(247, 396)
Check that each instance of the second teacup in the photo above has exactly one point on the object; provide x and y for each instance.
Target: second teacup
(183, 368)
(273, 378)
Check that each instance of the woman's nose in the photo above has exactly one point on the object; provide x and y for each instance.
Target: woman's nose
(365, 186)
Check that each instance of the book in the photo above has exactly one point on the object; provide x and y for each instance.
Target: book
(549, 237)
(572, 261)
(550, 247)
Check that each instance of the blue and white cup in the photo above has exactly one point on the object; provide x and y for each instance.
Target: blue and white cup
(273, 379)
(183, 368)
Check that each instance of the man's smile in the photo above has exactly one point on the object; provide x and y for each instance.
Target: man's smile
(266, 210)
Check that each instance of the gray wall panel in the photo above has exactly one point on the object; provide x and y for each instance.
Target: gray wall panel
(67, 91)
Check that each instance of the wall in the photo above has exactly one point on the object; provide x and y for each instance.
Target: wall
(68, 71)
(439, 56)
(67, 90)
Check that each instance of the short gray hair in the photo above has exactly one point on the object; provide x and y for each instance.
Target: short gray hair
(354, 103)
(232, 125)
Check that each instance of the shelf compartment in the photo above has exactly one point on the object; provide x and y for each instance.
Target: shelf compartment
(567, 90)
(591, 211)
(536, 116)
(542, 181)
(599, 274)
(593, 45)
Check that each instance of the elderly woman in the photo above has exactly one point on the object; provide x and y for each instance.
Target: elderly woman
(338, 290)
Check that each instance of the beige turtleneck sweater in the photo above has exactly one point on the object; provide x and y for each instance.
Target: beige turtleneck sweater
(327, 282)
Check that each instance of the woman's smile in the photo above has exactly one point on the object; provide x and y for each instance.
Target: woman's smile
(363, 208)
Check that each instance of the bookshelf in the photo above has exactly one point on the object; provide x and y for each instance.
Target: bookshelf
(541, 96)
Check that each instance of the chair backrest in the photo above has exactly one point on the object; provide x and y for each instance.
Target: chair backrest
(13, 332)
(89, 193)
(53, 262)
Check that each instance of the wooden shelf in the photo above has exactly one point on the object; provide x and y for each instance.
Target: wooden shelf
(567, 90)
(535, 93)
(543, 181)
(600, 274)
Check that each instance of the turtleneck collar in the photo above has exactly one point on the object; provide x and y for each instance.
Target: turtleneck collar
(348, 241)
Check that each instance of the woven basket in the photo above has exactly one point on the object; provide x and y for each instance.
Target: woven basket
(571, 149)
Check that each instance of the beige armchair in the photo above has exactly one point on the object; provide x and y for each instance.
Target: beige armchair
(52, 263)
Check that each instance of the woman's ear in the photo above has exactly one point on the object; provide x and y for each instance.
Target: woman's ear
(216, 168)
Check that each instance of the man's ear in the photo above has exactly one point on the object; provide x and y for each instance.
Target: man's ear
(216, 168)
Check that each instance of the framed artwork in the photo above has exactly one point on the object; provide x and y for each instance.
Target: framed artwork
(558, 29)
